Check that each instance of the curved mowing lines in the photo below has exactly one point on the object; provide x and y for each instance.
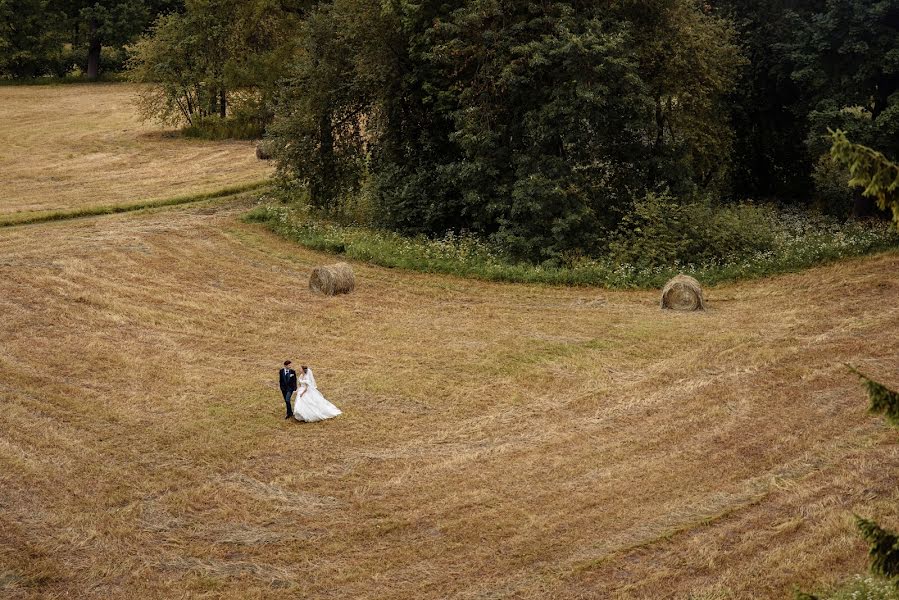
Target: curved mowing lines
(73, 148)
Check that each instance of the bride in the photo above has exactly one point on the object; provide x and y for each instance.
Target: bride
(310, 405)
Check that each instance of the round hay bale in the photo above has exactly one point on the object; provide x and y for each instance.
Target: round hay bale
(332, 279)
(263, 151)
(683, 293)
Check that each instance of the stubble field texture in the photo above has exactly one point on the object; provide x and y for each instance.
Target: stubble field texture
(80, 146)
(498, 441)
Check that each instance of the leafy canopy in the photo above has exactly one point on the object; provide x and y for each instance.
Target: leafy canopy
(215, 58)
(531, 123)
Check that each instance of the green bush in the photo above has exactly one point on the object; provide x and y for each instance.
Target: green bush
(800, 239)
(213, 127)
(659, 231)
(833, 195)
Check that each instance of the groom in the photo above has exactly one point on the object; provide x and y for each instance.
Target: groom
(288, 382)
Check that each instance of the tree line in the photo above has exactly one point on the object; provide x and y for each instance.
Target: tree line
(538, 125)
(54, 37)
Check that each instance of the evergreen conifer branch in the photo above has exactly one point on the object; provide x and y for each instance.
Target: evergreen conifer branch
(883, 400)
(883, 547)
(870, 170)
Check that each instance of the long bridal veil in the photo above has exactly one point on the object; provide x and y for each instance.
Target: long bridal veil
(310, 405)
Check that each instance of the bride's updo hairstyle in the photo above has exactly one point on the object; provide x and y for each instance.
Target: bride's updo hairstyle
(305, 368)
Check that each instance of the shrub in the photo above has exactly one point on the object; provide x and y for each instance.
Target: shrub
(215, 128)
(659, 231)
(833, 195)
(801, 239)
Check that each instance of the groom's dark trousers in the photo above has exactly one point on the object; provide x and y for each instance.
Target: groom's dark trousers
(288, 381)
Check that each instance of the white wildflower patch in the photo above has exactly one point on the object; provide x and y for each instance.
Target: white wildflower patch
(801, 239)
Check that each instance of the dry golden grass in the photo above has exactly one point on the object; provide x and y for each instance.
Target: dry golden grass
(77, 146)
(498, 441)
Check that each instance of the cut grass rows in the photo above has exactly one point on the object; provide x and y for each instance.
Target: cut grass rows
(72, 147)
(497, 440)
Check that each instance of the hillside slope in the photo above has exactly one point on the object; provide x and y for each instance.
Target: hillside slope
(498, 441)
(76, 146)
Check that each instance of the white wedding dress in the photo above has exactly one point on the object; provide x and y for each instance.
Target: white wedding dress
(309, 404)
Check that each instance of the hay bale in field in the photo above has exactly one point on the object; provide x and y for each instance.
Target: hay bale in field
(332, 279)
(683, 293)
(263, 150)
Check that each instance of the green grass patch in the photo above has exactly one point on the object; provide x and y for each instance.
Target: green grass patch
(798, 239)
(30, 218)
(866, 587)
(231, 128)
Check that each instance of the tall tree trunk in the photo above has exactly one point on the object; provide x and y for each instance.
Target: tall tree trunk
(190, 108)
(93, 52)
(198, 101)
(223, 103)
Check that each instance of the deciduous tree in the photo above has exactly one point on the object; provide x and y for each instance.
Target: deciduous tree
(199, 61)
(532, 123)
(845, 58)
(30, 37)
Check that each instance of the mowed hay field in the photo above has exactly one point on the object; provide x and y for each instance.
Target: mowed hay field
(79, 146)
(498, 441)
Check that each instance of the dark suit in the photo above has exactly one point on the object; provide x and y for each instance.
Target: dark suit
(288, 381)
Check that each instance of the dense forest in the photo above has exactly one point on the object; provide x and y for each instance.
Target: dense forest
(538, 126)
(57, 37)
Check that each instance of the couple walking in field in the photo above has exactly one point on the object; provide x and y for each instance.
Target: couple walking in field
(309, 404)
